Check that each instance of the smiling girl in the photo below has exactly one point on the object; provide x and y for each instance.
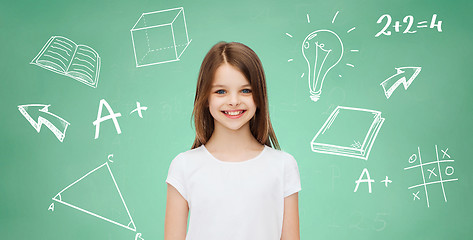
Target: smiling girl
(235, 182)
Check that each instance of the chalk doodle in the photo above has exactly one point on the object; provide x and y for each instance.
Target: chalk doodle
(112, 115)
(138, 109)
(369, 180)
(322, 50)
(434, 172)
(160, 37)
(348, 132)
(62, 55)
(409, 20)
(386, 181)
(56, 124)
(94, 191)
(364, 180)
(390, 85)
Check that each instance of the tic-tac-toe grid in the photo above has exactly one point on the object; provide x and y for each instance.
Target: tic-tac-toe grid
(431, 170)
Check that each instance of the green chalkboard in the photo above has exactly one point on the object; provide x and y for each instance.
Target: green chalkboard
(395, 104)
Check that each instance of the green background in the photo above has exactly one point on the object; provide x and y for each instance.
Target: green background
(435, 110)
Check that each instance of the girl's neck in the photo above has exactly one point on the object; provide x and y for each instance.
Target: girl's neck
(224, 140)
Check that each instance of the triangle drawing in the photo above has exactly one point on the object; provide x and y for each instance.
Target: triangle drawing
(97, 194)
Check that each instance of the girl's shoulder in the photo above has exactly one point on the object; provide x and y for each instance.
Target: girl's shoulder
(275, 153)
(191, 154)
(186, 160)
(278, 153)
(285, 160)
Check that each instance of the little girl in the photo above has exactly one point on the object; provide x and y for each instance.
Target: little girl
(233, 182)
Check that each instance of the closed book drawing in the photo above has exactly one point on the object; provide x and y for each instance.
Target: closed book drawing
(65, 57)
(348, 132)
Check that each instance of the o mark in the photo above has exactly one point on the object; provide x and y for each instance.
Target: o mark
(446, 170)
(413, 158)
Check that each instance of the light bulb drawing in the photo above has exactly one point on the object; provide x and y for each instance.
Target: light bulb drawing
(322, 50)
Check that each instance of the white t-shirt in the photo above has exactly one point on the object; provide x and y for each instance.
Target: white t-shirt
(235, 200)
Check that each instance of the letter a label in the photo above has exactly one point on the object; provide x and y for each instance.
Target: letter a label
(112, 115)
(367, 180)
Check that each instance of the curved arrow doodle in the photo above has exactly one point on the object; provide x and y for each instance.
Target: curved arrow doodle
(45, 118)
(390, 84)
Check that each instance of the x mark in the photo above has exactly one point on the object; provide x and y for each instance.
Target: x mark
(445, 153)
(431, 172)
(415, 195)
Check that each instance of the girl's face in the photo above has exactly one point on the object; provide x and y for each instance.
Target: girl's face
(231, 99)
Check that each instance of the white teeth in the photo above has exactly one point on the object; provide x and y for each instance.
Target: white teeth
(233, 113)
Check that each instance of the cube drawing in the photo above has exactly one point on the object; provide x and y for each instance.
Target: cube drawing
(160, 37)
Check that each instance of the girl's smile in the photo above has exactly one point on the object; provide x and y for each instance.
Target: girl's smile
(234, 113)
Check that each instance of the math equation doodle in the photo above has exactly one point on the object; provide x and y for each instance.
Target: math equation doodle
(409, 20)
(434, 172)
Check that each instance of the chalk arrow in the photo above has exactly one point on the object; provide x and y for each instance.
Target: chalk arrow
(390, 84)
(46, 118)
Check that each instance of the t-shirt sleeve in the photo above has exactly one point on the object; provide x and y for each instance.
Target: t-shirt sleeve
(292, 180)
(176, 175)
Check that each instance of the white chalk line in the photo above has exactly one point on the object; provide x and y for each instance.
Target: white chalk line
(87, 50)
(333, 20)
(63, 47)
(82, 60)
(423, 177)
(60, 49)
(423, 184)
(58, 55)
(433, 162)
(59, 40)
(85, 55)
(440, 173)
(81, 65)
(146, 31)
(81, 70)
(47, 55)
(161, 49)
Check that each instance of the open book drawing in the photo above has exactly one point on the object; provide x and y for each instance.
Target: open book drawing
(65, 57)
(348, 132)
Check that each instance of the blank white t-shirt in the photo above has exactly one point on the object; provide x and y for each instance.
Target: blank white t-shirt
(235, 200)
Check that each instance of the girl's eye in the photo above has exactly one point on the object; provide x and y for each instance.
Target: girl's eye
(220, 91)
(246, 91)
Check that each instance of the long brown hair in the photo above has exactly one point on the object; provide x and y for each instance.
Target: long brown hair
(247, 62)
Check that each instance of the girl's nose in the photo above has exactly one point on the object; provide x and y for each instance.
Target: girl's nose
(234, 100)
